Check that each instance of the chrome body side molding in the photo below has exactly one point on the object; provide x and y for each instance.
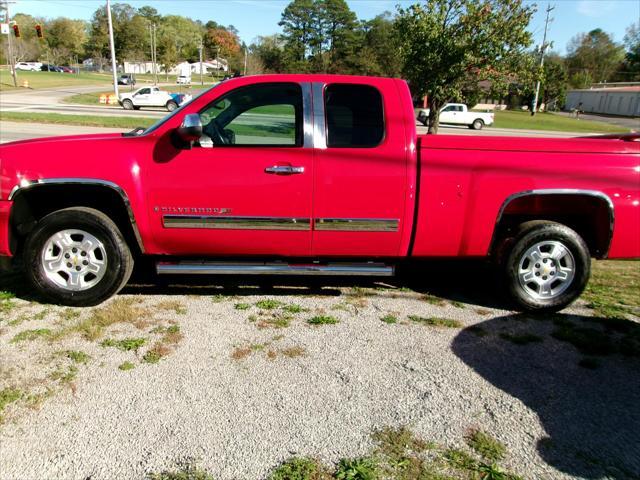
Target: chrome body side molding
(562, 191)
(273, 268)
(29, 184)
(235, 223)
(357, 224)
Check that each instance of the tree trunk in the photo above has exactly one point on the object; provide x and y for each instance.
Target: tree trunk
(434, 115)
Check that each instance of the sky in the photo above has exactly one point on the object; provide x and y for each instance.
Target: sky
(260, 17)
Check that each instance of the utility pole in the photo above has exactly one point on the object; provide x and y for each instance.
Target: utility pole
(534, 106)
(4, 5)
(155, 56)
(152, 43)
(114, 68)
(245, 61)
(200, 51)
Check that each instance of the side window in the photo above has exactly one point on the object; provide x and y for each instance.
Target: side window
(450, 108)
(355, 116)
(266, 114)
(144, 91)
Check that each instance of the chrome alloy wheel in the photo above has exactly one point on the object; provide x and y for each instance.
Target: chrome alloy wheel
(546, 270)
(74, 260)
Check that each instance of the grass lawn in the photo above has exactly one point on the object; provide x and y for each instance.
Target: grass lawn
(51, 79)
(83, 120)
(551, 122)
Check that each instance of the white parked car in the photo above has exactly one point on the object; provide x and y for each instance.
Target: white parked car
(29, 66)
(458, 114)
(183, 80)
(151, 97)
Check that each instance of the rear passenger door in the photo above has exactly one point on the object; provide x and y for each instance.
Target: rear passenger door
(360, 162)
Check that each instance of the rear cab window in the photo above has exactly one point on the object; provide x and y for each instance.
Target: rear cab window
(354, 116)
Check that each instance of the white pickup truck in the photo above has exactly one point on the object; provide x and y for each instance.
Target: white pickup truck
(151, 97)
(458, 114)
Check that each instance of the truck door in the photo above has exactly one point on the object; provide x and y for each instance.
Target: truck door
(245, 187)
(360, 169)
(141, 99)
(449, 114)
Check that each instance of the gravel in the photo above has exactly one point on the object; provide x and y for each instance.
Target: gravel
(240, 417)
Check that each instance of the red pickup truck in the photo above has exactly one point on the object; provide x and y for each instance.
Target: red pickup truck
(313, 174)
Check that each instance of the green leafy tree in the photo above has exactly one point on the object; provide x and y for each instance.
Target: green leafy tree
(593, 57)
(631, 67)
(65, 38)
(449, 46)
(378, 52)
(27, 47)
(270, 51)
(299, 25)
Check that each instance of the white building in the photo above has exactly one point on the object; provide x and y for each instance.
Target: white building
(622, 101)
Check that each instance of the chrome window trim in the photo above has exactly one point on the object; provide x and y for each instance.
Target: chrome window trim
(29, 184)
(357, 224)
(235, 223)
(307, 115)
(319, 130)
(561, 191)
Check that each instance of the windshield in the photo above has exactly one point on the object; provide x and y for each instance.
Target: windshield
(177, 111)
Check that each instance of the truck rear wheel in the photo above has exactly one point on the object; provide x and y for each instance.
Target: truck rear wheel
(171, 105)
(547, 267)
(477, 124)
(77, 257)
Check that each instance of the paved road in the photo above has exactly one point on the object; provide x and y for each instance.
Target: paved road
(49, 101)
(627, 122)
(12, 131)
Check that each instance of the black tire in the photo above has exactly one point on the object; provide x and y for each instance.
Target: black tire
(535, 233)
(127, 105)
(171, 105)
(477, 124)
(119, 261)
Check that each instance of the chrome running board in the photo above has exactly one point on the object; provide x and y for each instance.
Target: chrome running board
(273, 268)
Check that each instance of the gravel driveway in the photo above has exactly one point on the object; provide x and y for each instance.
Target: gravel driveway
(240, 378)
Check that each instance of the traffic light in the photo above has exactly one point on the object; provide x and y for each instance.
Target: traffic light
(16, 30)
(39, 33)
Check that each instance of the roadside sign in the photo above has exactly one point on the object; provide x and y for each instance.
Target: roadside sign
(4, 28)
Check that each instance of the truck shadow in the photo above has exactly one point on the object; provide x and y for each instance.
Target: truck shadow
(472, 282)
(589, 406)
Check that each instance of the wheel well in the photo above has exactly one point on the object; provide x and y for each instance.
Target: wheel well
(589, 215)
(29, 206)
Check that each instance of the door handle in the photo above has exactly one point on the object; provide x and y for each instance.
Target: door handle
(284, 170)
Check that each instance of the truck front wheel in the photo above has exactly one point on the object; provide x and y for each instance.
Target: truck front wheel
(77, 257)
(547, 267)
(127, 104)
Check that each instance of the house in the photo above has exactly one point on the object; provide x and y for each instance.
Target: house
(608, 100)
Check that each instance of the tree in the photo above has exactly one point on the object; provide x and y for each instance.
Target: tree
(593, 57)
(631, 66)
(448, 46)
(27, 47)
(300, 31)
(270, 51)
(379, 50)
(65, 38)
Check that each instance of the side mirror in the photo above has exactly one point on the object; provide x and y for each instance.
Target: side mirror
(191, 128)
